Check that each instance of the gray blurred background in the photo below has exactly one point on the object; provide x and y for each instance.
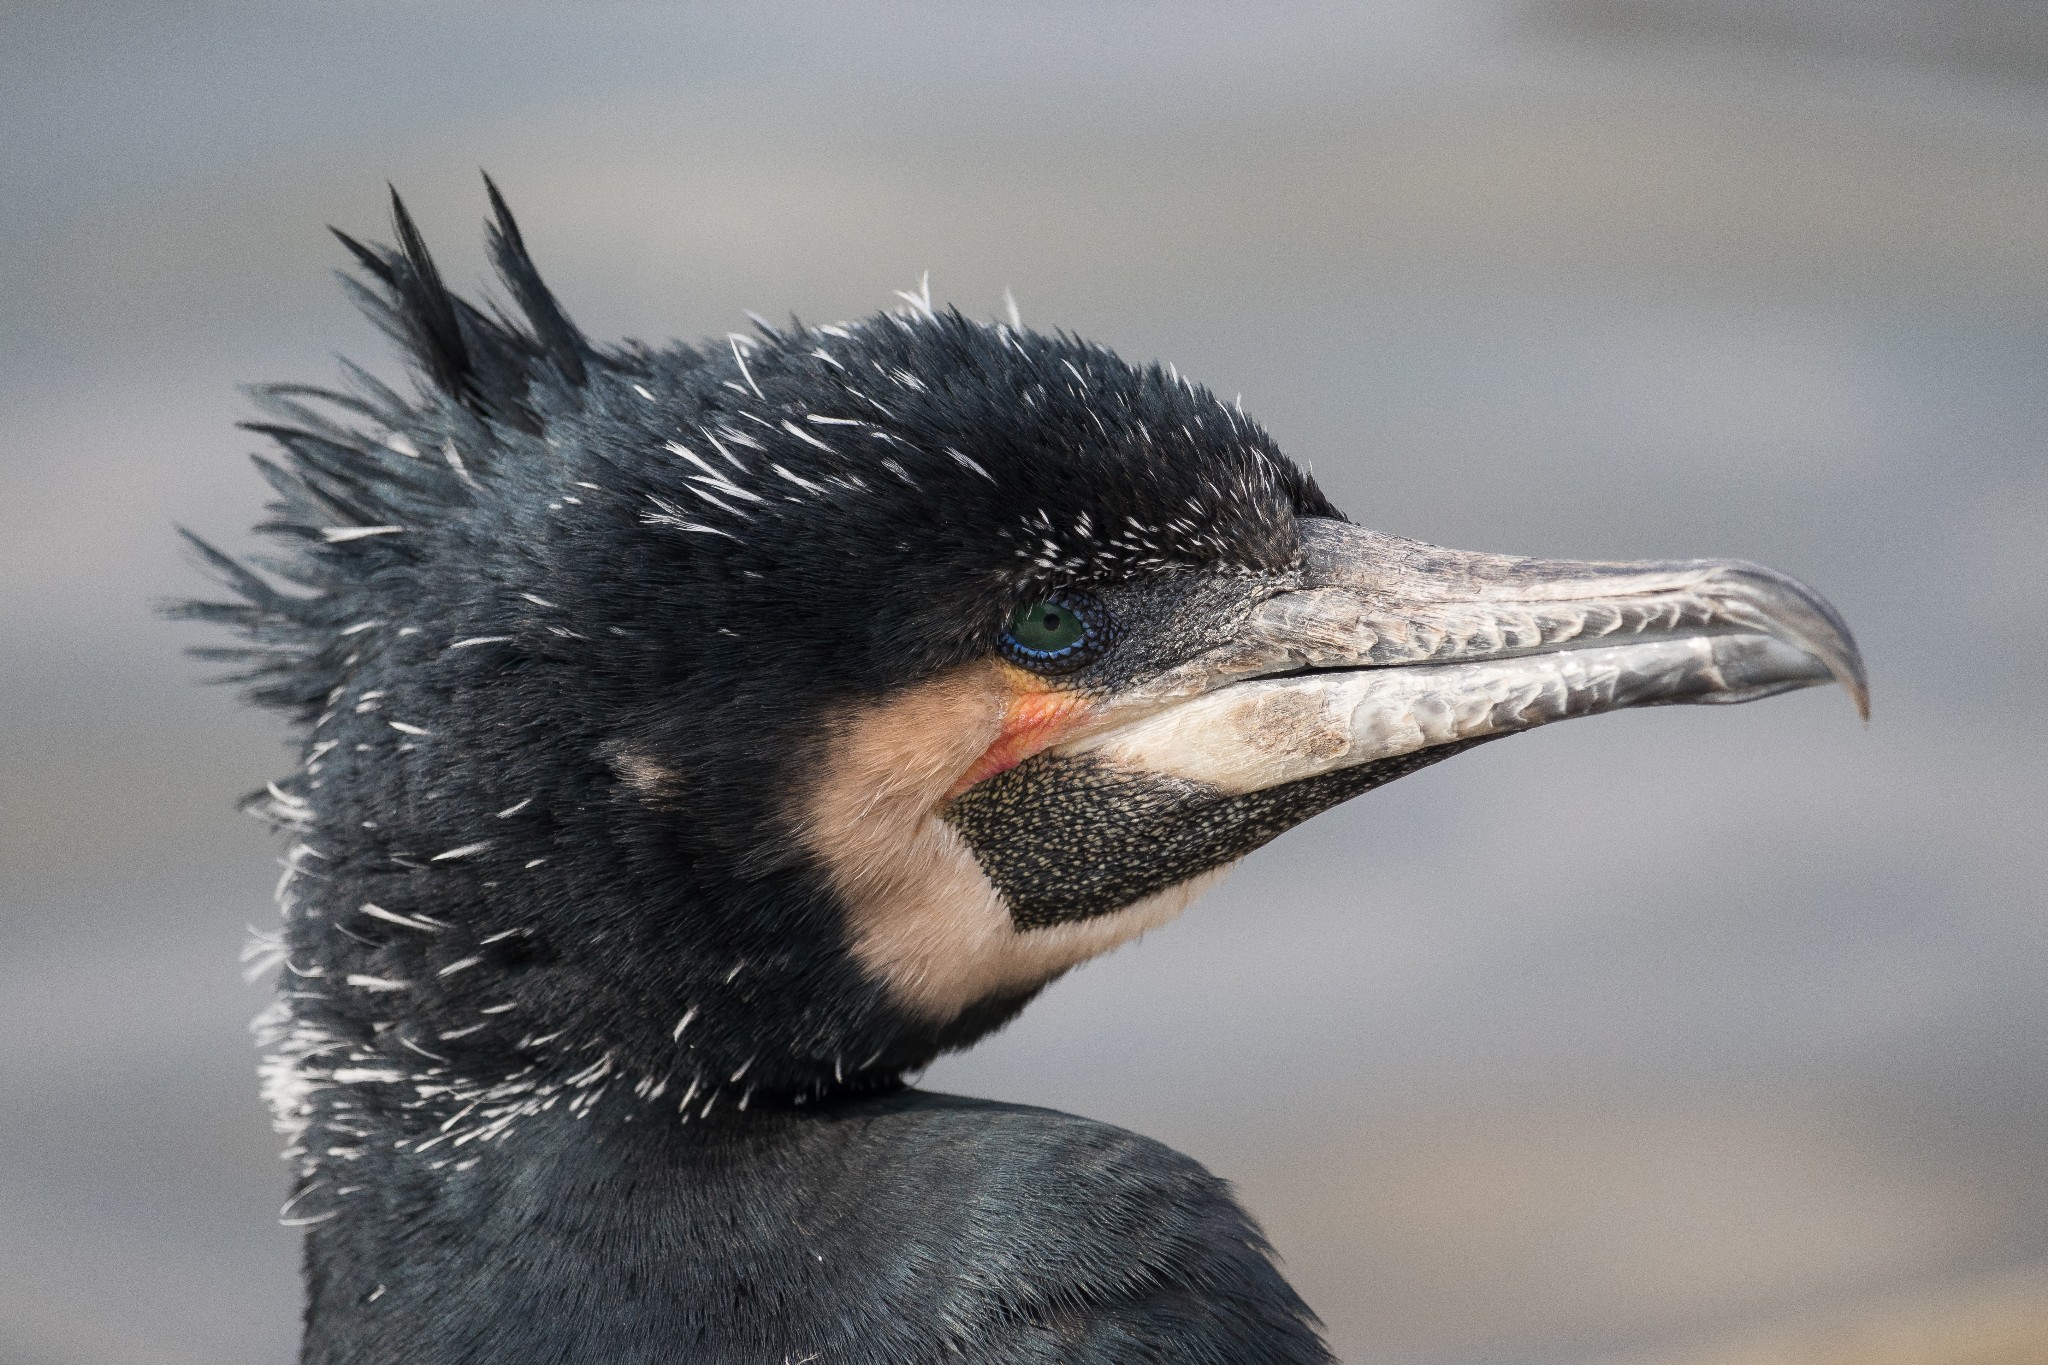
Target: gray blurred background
(1687, 1035)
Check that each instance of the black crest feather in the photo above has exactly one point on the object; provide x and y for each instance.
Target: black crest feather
(428, 311)
(551, 326)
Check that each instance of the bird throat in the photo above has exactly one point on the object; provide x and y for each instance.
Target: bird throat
(1067, 838)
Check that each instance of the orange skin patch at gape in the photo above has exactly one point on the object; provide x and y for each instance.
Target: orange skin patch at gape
(1036, 716)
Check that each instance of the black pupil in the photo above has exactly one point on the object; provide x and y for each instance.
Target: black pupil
(1052, 621)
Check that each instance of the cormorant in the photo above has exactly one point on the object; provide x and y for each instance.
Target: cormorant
(697, 739)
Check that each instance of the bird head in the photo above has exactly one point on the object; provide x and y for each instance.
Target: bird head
(738, 724)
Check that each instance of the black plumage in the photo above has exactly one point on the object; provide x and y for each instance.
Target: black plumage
(679, 772)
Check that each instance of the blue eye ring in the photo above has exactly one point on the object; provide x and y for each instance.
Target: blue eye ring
(1058, 632)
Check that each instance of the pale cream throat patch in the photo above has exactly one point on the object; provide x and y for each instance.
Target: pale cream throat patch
(922, 916)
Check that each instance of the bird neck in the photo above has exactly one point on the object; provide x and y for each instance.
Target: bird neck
(519, 1237)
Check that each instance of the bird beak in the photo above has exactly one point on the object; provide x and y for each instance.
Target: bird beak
(1389, 647)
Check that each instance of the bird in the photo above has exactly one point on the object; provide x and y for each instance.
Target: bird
(695, 741)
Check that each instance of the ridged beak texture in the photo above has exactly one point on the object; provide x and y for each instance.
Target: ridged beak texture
(1391, 646)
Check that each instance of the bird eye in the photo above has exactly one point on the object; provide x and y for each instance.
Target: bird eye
(1047, 628)
(1056, 634)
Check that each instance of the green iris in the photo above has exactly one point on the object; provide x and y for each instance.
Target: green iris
(1047, 628)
